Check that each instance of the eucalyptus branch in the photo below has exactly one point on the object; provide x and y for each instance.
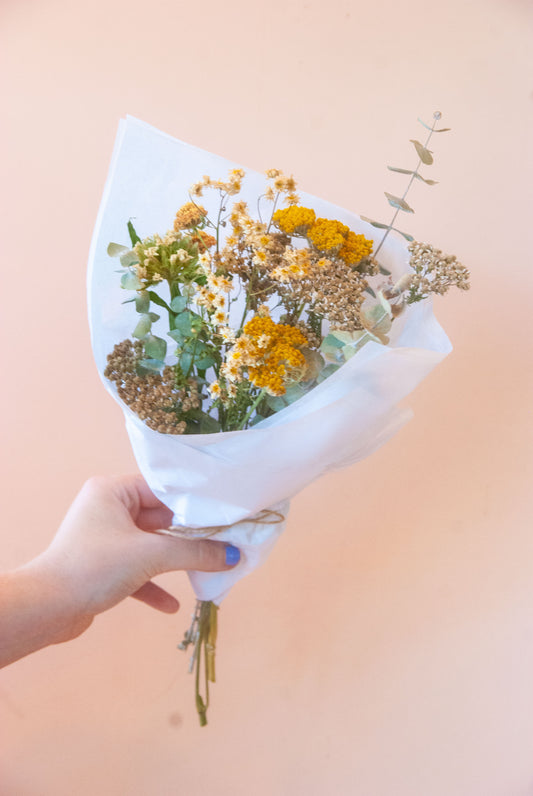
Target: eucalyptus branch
(424, 157)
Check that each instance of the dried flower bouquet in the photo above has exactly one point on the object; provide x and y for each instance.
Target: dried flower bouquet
(268, 342)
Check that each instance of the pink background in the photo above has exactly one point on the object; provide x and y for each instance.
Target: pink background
(386, 649)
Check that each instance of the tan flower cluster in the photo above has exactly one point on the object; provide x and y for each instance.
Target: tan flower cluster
(189, 215)
(231, 187)
(154, 398)
(435, 272)
(281, 184)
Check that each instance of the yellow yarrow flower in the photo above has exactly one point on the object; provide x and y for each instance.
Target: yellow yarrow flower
(274, 355)
(294, 220)
(336, 239)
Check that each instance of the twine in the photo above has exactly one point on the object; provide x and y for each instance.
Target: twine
(265, 517)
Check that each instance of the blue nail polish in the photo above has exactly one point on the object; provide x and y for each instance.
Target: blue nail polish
(233, 555)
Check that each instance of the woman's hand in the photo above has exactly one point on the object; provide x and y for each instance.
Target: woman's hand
(104, 551)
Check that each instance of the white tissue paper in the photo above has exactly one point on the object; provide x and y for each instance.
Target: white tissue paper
(229, 478)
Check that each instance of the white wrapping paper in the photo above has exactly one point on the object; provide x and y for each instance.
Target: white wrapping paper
(224, 478)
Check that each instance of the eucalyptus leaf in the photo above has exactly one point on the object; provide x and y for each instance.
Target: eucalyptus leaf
(423, 153)
(275, 402)
(142, 301)
(208, 424)
(404, 235)
(331, 340)
(128, 259)
(176, 335)
(205, 362)
(185, 362)
(182, 322)
(178, 303)
(143, 326)
(400, 171)
(154, 316)
(130, 281)
(378, 321)
(116, 249)
(423, 179)
(397, 201)
(377, 224)
(155, 347)
(151, 365)
(327, 371)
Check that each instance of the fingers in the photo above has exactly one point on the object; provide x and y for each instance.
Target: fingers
(157, 598)
(170, 553)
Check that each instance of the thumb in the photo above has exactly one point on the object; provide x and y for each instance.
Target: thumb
(171, 553)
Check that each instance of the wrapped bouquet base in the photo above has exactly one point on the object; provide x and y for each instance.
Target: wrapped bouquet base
(250, 353)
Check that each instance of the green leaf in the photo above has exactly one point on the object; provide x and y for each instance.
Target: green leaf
(143, 326)
(208, 424)
(158, 300)
(154, 316)
(327, 371)
(276, 402)
(401, 204)
(128, 259)
(182, 322)
(133, 235)
(155, 347)
(116, 249)
(377, 224)
(131, 281)
(142, 301)
(400, 171)
(423, 153)
(176, 335)
(178, 303)
(185, 363)
(331, 340)
(205, 362)
(150, 365)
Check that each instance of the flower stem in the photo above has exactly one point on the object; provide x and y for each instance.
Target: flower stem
(254, 406)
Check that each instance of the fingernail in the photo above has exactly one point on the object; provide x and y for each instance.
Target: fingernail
(233, 555)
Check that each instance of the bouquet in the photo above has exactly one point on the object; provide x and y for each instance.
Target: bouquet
(255, 337)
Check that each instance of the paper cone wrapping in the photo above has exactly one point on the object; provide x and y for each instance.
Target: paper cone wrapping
(224, 478)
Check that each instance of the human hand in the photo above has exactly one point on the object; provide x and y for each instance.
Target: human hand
(104, 551)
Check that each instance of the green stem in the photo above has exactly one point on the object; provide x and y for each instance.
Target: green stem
(254, 406)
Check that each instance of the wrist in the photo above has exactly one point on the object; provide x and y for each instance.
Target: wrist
(36, 611)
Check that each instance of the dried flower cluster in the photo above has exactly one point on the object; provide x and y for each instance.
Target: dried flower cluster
(434, 272)
(257, 309)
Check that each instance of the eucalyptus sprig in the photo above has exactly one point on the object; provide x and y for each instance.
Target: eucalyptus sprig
(425, 157)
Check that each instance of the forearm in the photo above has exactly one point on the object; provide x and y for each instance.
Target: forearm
(35, 611)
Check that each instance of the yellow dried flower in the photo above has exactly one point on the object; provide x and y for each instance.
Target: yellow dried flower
(355, 247)
(327, 235)
(294, 220)
(189, 215)
(273, 356)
